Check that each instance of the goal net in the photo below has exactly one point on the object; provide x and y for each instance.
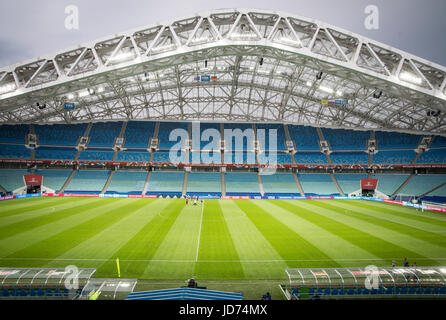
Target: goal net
(406, 197)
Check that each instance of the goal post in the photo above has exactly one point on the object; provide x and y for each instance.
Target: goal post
(435, 206)
(405, 197)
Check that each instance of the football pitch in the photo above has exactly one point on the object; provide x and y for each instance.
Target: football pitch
(165, 239)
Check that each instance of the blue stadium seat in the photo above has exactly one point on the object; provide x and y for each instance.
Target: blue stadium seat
(427, 290)
(359, 291)
(295, 292)
(411, 290)
(342, 292)
(33, 292)
(23, 293)
(374, 291)
(389, 290)
(40, 292)
(5, 293)
(350, 291)
(403, 290)
(326, 291)
(311, 291)
(334, 292)
(442, 290)
(366, 291)
(319, 291)
(49, 292)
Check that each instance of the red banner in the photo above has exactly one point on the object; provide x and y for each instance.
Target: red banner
(369, 184)
(33, 180)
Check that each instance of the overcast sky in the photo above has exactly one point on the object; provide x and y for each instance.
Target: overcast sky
(32, 28)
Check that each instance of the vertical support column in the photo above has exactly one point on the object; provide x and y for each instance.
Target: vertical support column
(121, 135)
(288, 137)
(372, 137)
(86, 134)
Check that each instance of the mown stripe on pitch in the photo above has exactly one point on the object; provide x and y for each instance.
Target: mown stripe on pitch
(288, 244)
(374, 216)
(147, 241)
(216, 243)
(11, 220)
(98, 251)
(180, 244)
(23, 226)
(56, 245)
(431, 217)
(4, 205)
(361, 237)
(31, 207)
(251, 245)
(24, 239)
(373, 244)
(342, 251)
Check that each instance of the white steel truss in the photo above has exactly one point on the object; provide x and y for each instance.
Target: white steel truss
(262, 65)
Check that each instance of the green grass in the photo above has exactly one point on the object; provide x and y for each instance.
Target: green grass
(227, 244)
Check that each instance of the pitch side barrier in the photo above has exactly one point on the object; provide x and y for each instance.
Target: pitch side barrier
(153, 196)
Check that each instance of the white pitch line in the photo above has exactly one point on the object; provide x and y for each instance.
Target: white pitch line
(199, 232)
(213, 261)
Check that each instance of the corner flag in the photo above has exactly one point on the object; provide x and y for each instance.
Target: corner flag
(119, 269)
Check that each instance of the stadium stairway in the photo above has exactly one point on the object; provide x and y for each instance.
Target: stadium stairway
(146, 183)
(403, 185)
(67, 182)
(262, 190)
(3, 190)
(337, 184)
(434, 189)
(184, 189)
(107, 183)
(299, 186)
(223, 184)
(338, 187)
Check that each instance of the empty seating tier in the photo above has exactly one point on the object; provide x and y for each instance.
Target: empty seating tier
(13, 133)
(165, 129)
(433, 156)
(88, 180)
(389, 183)
(423, 183)
(305, 138)
(166, 181)
(54, 178)
(241, 182)
(340, 139)
(279, 183)
(14, 151)
(131, 182)
(349, 157)
(350, 182)
(49, 153)
(60, 134)
(317, 183)
(103, 134)
(138, 134)
(310, 158)
(12, 179)
(204, 182)
(396, 140)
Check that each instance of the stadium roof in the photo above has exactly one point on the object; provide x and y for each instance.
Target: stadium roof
(257, 66)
